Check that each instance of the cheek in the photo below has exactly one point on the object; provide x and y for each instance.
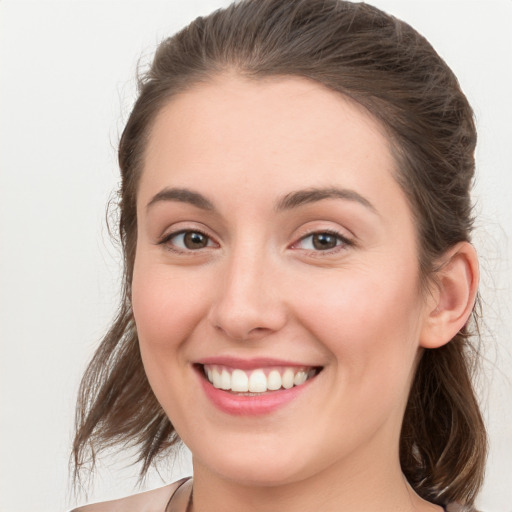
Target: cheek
(166, 306)
(370, 322)
(372, 331)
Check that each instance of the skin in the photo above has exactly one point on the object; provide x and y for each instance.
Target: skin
(259, 288)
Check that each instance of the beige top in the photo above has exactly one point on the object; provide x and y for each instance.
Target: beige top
(170, 498)
(174, 497)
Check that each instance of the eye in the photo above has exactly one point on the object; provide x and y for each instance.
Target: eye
(188, 240)
(321, 241)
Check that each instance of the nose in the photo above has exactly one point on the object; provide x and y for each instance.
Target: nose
(248, 303)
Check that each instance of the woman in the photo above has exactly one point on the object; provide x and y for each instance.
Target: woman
(299, 281)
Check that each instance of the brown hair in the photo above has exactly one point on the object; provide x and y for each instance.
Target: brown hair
(386, 66)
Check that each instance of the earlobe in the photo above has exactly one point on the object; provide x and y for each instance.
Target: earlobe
(456, 285)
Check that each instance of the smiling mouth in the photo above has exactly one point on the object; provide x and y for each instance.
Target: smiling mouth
(258, 380)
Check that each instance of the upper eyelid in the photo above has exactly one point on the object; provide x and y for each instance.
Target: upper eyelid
(329, 231)
(325, 225)
(349, 238)
(344, 239)
(166, 238)
(183, 227)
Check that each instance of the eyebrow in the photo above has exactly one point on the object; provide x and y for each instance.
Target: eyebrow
(182, 195)
(312, 195)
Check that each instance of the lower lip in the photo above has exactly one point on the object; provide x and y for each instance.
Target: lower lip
(251, 405)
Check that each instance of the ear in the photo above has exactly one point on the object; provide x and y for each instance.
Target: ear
(453, 296)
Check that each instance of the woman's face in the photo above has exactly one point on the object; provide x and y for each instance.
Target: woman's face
(276, 249)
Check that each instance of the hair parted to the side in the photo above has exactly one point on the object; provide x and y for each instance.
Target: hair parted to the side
(386, 66)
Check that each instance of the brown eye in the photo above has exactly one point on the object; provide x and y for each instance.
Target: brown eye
(188, 241)
(195, 240)
(324, 241)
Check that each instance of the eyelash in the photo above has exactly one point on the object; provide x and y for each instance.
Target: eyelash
(343, 241)
(165, 241)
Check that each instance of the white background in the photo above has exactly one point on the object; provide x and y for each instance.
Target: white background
(67, 84)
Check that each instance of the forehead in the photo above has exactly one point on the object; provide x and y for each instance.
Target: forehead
(286, 132)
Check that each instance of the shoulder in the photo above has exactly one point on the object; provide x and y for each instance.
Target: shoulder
(149, 501)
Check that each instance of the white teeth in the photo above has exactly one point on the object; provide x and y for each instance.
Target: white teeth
(225, 380)
(274, 381)
(300, 378)
(239, 381)
(216, 378)
(288, 377)
(257, 381)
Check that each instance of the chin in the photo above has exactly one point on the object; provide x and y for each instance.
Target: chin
(258, 469)
(248, 475)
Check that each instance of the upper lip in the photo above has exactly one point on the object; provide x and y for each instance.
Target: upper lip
(250, 364)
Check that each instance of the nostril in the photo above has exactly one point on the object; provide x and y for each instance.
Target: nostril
(257, 330)
(238, 334)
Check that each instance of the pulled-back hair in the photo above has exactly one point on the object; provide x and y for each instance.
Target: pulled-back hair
(386, 66)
